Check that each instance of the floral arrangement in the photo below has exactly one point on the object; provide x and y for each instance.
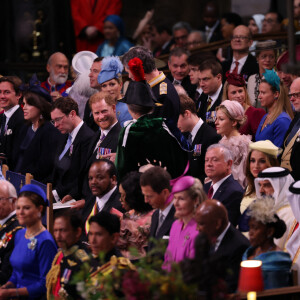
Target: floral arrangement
(142, 281)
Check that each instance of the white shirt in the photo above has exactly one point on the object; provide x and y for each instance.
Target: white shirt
(218, 183)
(199, 90)
(241, 64)
(166, 210)
(103, 200)
(2, 222)
(75, 131)
(220, 237)
(10, 112)
(196, 128)
(215, 96)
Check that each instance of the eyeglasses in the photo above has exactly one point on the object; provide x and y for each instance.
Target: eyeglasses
(5, 198)
(178, 38)
(240, 37)
(295, 95)
(57, 120)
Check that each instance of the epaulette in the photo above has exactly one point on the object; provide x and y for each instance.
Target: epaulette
(119, 262)
(82, 255)
(8, 236)
(163, 88)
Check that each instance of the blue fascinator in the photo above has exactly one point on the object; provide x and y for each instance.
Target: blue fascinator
(272, 78)
(111, 68)
(34, 86)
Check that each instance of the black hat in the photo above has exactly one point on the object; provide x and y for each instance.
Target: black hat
(139, 93)
(295, 187)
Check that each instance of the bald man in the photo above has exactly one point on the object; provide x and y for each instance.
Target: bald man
(242, 62)
(58, 69)
(227, 242)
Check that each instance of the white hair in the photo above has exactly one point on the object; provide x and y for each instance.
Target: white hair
(9, 188)
(226, 151)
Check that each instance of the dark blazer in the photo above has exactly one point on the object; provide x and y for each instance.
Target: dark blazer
(110, 142)
(187, 85)
(113, 202)
(202, 109)
(170, 101)
(230, 252)
(67, 171)
(5, 252)
(205, 136)
(230, 193)
(249, 68)
(159, 51)
(38, 158)
(88, 118)
(216, 35)
(10, 139)
(165, 227)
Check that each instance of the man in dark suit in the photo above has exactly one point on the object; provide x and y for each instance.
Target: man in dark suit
(290, 158)
(227, 243)
(11, 121)
(242, 61)
(167, 105)
(162, 37)
(201, 135)
(210, 79)
(72, 152)
(223, 187)
(105, 141)
(9, 225)
(105, 193)
(155, 185)
(179, 69)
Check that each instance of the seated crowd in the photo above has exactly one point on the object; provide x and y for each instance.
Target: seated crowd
(204, 159)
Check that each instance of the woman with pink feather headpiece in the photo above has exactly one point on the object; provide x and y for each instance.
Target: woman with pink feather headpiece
(230, 117)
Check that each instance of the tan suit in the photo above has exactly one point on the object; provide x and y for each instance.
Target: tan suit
(286, 155)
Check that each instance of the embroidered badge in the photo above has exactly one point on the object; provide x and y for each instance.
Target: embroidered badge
(163, 88)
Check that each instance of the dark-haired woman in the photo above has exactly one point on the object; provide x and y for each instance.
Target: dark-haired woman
(38, 140)
(264, 226)
(34, 248)
(135, 225)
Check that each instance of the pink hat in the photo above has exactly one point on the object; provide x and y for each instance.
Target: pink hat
(235, 109)
(183, 184)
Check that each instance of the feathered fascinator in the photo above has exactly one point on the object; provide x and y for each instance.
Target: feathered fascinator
(136, 68)
(272, 78)
(263, 210)
(34, 86)
(111, 67)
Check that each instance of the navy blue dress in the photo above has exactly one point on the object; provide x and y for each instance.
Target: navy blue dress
(274, 132)
(30, 266)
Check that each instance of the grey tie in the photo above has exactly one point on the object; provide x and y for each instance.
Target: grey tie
(160, 221)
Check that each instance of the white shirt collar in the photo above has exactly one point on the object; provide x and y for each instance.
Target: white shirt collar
(106, 131)
(75, 131)
(102, 201)
(221, 236)
(10, 112)
(2, 222)
(196, 128)
(215, 96)
(241, 63)
(210, 30)
(166, 211)
(199, 90)
(217, 184)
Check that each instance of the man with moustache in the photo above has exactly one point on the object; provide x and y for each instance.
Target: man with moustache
(58, 69)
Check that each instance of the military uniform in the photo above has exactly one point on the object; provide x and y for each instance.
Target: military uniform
(168, 103)
(64, 265)
(7, 234)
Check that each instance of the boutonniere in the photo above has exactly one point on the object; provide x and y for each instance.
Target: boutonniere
(8, 132)
(71, 150)
(32, 244)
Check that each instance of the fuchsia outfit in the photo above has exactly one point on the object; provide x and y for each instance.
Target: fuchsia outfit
(181, 243)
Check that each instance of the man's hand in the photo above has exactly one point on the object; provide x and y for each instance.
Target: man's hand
(111, 156)
(79, 204)
(91, 32)
(66, 198)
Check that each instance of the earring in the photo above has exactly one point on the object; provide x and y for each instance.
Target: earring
(39, 214)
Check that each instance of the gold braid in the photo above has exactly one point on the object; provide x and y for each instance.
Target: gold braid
(52, 275)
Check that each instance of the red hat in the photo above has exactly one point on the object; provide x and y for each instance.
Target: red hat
(284, 58)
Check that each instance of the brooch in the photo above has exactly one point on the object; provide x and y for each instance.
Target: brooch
(186, 238)
(31, 245)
